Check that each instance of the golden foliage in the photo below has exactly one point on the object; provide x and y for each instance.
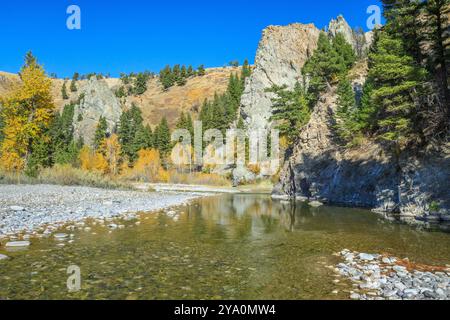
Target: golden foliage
(27, 113)
(148, 167)
(111, 149)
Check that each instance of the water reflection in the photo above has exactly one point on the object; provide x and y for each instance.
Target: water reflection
(228, 246)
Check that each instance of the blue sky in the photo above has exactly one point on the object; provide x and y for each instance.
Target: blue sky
(137, 35)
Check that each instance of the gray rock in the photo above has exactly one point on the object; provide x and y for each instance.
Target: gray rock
(99, 101)
(3, 257)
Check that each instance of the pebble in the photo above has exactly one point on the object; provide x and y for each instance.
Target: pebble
(54, 206)
(381, 278)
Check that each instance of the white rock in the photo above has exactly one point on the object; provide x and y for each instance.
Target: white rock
(17, 208)
(366, 256)
(3, 257)
(17, 244)
(60, 236)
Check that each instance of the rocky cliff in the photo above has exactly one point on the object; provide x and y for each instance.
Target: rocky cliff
(412, 188)
(281, 55)
(282, 52)
(97, 100)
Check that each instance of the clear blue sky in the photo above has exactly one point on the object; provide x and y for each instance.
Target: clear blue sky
(137, 35)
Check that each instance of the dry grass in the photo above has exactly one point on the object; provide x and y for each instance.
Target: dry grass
(197, 178)
(65, 175)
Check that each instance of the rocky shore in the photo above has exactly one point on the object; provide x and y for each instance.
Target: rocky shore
(36, 209)
(382, 277)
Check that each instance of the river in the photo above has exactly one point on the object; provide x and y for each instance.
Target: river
(220, 247)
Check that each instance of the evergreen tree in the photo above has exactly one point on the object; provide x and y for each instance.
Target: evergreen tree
(64, 91)
(101, 133)
(346, 124)
(397, 81)
(201, 70)
(437, 30)
(130, 123)
(246, 71)
(73, 86)
(326, 65)
(344, 50)
(402, 21)
(290, 110)
(190, 71)
(140, 83)
(162, 137)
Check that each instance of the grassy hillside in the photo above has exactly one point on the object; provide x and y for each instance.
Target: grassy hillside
(155, 102)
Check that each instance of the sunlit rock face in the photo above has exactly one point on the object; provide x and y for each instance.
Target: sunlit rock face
(281, 55)
(97, 101)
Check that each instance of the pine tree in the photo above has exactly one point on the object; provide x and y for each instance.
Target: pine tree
(130, 123)
(344, 50)
(73, 86)
(402, 21)
(101, 133)
(64, 91)
(201, 70)
(190, 71)
(246, 71)
(324, 67)
(162, 137)
(436, 31)
(397, 82)
(290, 110)
(346, 102)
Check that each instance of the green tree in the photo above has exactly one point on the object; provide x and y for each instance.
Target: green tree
(346, 124)
(344, 50)
(326, 65)
(397, 82)
(201, 70)
(130, 123)
(64, 91)
(101, 132)
(162, 137)
(290, 110)
(73, 86)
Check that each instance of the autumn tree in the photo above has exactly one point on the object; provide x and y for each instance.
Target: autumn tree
(27, 113)
(111, 150)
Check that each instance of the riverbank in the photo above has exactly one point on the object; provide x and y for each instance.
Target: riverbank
(35, 209)
(384, 277)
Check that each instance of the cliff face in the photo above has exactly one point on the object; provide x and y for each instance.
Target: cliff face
(98, 101)
(414, 187)
(281, 54)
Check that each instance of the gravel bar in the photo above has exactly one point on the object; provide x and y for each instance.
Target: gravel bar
(25, 208)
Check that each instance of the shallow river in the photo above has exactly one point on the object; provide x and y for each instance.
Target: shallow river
(224, 247)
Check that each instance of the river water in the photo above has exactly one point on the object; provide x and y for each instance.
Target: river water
(222, 247)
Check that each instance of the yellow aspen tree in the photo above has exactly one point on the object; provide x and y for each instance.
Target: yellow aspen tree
(111, 150)
(27, 113)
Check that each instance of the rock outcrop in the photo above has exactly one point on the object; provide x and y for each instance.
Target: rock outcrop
(97, 100)
(412, 188)
(282, 52)
(281, 55)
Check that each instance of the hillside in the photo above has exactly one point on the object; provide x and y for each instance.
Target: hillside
(155, 102)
